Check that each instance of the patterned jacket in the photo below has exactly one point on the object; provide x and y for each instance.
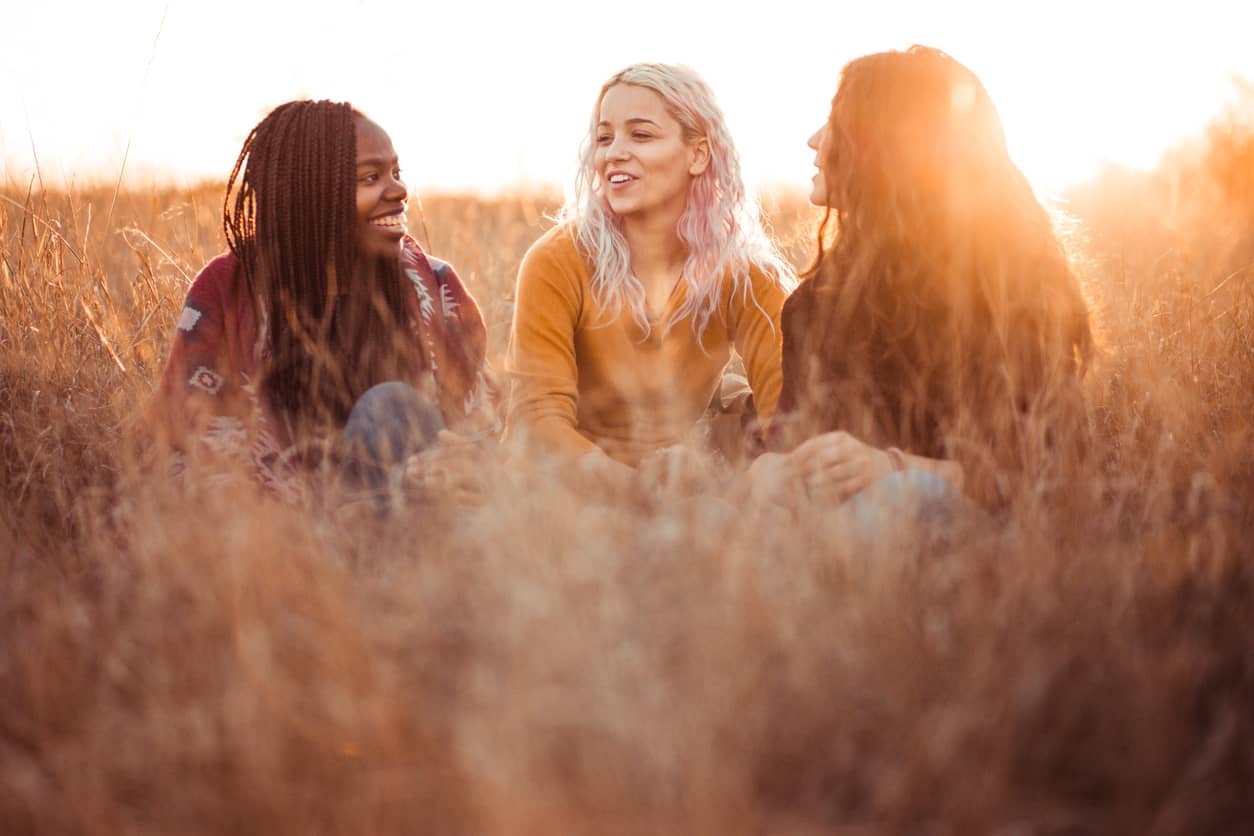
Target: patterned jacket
(208, 393)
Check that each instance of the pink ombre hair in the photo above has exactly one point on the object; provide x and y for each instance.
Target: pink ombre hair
(721, 224)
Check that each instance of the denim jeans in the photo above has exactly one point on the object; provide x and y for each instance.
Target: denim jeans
(905, 500)
(389, 423)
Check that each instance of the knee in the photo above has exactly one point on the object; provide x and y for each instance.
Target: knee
(912, 484)
(903, 497)
(389, 396)
(395, 418)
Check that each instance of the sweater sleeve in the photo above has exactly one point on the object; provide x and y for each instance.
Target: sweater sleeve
(755, 321)
(199, 395)
(544, 375)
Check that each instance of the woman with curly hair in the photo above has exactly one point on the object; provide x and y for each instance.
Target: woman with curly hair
(941, 330)
(325, 333)
(628, 311)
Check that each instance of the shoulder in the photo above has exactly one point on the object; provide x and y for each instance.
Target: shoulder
(556, 245)
(799, 303)
(554, 258)
(441, 268)
(219, 273)
(216, 284)
(771, 281)
(804, 295)
(762, 289)
(418, 265)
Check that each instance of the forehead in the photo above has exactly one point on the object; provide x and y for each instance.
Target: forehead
(372, 141)
(629, 101)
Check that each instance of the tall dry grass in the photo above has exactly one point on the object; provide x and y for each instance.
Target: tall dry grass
(198, 658)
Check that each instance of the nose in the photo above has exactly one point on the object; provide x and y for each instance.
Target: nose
(396, 189)
(816, 139)
(617, 150)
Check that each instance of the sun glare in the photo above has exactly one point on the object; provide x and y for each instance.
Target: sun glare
(155, 84)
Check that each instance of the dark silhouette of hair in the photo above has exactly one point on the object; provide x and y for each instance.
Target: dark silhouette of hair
(331, 324)
(943, 316)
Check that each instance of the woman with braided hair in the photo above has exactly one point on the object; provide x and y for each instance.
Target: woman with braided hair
(938, 341)
(325, 332)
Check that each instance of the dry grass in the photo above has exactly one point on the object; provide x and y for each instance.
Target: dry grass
(204, 660)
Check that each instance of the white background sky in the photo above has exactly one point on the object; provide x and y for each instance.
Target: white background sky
(490, 95)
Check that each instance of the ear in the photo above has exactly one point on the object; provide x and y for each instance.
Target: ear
(700, 157)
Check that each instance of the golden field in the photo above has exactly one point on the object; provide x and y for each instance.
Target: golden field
(197, 659)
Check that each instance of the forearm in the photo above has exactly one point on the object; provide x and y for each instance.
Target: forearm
(600, 472)
(552, 434)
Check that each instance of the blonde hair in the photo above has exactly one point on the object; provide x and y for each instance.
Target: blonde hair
(721, 225)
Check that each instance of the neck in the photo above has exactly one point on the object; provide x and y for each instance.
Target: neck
(655, 246)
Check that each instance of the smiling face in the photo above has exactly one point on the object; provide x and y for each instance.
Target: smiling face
(818, 189)
(380, 192)
(643, 161)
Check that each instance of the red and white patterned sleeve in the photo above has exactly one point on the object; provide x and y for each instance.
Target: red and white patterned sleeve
(200, 395)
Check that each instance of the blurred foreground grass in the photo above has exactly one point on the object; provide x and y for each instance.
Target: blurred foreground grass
(200, 659)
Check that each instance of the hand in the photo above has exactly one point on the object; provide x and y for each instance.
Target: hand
(773, 478)
(836, 465)
(455, 469)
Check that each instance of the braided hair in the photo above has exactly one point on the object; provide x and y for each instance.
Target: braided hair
(289, 217)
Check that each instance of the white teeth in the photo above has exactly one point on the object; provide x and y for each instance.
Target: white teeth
(390, 221)
(619, 178)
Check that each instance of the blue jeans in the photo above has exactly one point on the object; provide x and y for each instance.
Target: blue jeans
(389, 423)
(904, 499)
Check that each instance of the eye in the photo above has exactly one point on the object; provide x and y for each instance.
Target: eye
(603, 138)
(641, 135)
(368, 178)
(396, 173)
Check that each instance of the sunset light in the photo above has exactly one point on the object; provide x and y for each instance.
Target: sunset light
(488, 97)
(766, 467)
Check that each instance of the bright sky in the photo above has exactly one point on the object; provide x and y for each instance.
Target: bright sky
(490, 95)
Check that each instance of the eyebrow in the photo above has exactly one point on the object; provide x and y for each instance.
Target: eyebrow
(377, 161)
(633, 121)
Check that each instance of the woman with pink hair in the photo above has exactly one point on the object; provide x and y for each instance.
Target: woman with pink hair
(627, 312)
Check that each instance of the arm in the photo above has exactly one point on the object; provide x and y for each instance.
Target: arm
(541, 362)
(754, 319)
(199, 396)
(834, 462)
(838, 465)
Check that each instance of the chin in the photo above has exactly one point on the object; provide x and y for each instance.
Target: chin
(384, 249)
(622, 208)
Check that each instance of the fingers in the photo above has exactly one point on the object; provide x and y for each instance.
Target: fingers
(827, 441)
(826, 459)
(838, 484)
(837, 465)
(451, 482)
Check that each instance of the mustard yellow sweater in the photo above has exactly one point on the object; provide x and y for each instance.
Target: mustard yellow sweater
(582, 378)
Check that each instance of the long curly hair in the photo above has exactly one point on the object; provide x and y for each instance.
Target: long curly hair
(942, 316)
(330, 324)
(721, 224)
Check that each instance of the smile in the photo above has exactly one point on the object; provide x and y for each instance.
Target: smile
(618, 178)
(394, 221)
